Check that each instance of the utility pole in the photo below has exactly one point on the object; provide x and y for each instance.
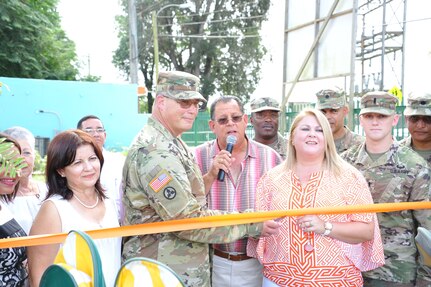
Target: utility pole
(154, 16)
(156, 44)
(133, 43)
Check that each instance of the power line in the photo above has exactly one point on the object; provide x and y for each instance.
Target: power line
(209, 36)
(244, 30)
(211, 21)
(222, 33)
(214, 34)
(201, 14)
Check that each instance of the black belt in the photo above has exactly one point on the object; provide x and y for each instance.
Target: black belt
(232, 257)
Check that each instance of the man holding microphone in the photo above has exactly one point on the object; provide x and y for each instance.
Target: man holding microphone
(242, 168)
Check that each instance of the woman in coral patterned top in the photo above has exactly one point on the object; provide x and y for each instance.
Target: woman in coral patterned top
(316, 250)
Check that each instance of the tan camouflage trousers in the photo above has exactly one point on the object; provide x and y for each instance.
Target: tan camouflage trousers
(380, 283)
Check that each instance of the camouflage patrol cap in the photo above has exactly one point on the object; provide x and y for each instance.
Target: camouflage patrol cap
(330, 99)
(378, 102)
(263, 104)
(418, 105)
(179, 85)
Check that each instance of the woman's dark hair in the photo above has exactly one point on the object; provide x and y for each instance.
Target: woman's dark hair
(9, 197)
(61, 153)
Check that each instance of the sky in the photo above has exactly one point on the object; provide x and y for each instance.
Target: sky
(96, 39)
(271, 83)
(92, 28)
(91, 25)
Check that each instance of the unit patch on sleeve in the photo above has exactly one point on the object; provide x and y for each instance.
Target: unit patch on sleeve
(169, 193)
(160, 180)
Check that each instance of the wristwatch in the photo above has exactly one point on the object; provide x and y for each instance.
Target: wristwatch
(328, 228)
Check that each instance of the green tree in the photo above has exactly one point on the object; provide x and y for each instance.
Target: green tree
(90, 78)
(33, 45)
(216, 40)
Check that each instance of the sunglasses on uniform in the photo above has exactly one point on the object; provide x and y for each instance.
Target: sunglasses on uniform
(415, 119)
(186, 104)
(225, 120)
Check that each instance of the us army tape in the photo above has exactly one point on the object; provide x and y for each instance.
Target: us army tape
(211, 221)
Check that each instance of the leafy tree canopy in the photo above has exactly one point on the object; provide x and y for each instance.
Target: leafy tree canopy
(33, 45)
(216, 40)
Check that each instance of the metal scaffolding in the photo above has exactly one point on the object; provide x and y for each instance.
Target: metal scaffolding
(377, 46)
(380, 45)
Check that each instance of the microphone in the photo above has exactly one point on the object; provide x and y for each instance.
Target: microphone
(230, 140)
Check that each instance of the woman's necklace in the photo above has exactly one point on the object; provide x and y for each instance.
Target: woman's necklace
(87, 206)
(308, 246)
(33, 190)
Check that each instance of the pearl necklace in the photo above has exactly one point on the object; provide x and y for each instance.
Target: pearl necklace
(87, 206)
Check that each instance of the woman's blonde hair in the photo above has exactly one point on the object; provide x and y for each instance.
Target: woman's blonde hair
(332, 161)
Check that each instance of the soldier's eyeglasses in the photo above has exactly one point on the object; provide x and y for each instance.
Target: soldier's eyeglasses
(186, 104)
(224, 121)
(425, 119)
(93, 131)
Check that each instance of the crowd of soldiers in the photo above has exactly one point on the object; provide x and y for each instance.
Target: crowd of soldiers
(395, 172)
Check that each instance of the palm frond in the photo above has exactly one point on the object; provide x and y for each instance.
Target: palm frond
(10, 161)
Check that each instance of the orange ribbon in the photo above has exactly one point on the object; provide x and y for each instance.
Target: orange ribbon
(211, 221)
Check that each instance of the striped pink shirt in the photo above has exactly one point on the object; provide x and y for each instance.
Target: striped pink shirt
(225, 195)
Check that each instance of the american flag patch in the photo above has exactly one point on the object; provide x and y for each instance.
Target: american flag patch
(160, 181)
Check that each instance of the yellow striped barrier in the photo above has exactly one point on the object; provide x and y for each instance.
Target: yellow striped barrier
(212, 221)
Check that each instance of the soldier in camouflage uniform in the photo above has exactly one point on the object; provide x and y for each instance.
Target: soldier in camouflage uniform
(163, 182)
(265, 114)
(332, 103)
(418, 118)
(395, 174)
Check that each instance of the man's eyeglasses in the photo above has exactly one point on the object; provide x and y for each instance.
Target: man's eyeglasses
(224, 121)
(185, 104)
(414, 119)
(93, 131)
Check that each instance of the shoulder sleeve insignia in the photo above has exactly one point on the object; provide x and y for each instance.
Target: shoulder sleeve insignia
(169, 193)
(160, 180)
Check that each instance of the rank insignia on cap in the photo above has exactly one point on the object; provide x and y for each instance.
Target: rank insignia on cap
(160, 181)
(331, 99)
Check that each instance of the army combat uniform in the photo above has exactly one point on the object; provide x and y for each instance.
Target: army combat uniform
(336, 99)
(163, 182)
(398, 175)
(418, 105)
(280, 146)
(348, 140)
(408, 142)
(270, 104)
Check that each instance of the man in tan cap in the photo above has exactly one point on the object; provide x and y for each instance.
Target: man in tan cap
(332, 103)
(418, 118)
(265, 114)
(394, 173)
(162, 181)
